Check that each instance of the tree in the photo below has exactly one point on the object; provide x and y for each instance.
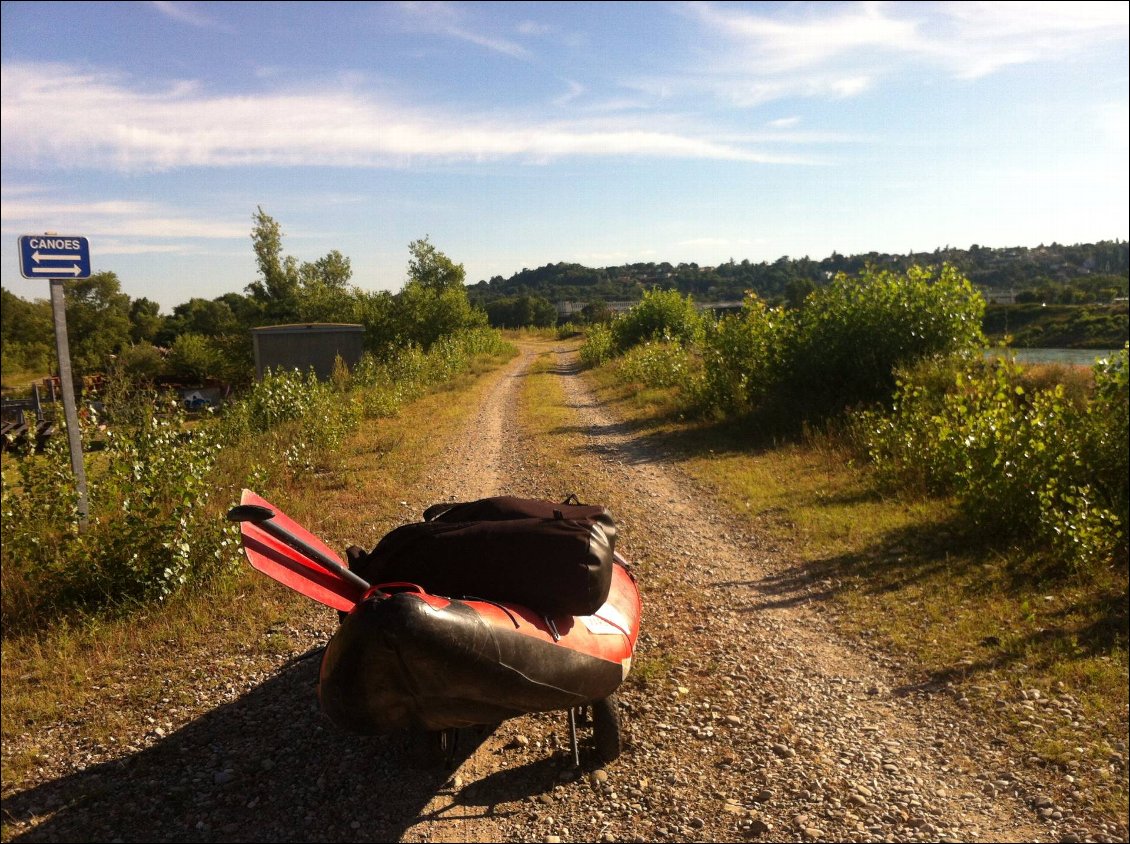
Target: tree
(597, 312)
(423, 314)
(432, 269)
(194, 357)
(141, 362)
(145, 320)
(521, 311)
(278, 285)
(797, 290)
(325, 294)
(207, 317)
(433, 301)
(27, 335)
(98, 323)
(332, 272)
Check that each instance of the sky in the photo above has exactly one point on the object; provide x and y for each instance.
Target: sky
(514, 135)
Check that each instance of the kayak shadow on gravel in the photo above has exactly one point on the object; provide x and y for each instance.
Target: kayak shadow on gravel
(265, 767)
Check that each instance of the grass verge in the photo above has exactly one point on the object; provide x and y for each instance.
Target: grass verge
(1039, 654)
(85, 688)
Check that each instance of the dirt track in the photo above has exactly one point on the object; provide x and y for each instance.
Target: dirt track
(760, 725)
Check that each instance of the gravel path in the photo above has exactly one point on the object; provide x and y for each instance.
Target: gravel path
(745, 718)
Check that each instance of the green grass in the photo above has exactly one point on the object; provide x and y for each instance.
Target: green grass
(912, 578)
(97, 678)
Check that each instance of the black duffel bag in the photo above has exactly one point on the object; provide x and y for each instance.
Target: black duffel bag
(555, 559)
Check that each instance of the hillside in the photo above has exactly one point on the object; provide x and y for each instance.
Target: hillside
(1094, 272)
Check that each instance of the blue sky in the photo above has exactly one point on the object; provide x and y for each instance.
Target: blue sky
(515, 134)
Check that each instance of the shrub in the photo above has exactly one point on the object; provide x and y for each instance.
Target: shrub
(1108, 433)
(743, 357)
(1030, 465)
(150, 530)
(852, 335)
(662, 363)
(598, 345)
(660, 314)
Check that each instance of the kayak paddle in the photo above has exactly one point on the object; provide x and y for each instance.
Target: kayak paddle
(283, 550)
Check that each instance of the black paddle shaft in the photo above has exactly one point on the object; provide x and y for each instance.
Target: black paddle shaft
(263, 517)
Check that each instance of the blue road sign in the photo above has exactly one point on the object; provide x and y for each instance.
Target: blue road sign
(54, 256)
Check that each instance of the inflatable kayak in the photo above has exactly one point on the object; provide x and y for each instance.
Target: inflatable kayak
(405, 657)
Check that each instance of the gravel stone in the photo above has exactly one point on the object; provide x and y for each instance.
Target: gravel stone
(744, 692)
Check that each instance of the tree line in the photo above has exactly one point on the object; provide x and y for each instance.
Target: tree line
(209, 340)
(1079, 274)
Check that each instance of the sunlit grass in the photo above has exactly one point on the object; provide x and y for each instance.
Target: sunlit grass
(103, 677)
(909, 576)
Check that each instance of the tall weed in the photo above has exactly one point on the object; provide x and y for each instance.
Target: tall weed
(598, 345)
(659, 314)
(151, 529)
(1025, 463)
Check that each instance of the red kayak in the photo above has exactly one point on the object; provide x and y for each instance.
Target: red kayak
(406, 658)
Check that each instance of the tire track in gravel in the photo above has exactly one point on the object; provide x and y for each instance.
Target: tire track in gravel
(744, 718)
(479, 464)
(760, 725)
(773, 730)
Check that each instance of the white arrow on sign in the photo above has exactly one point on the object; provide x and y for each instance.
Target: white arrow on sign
(73, 270)
(39, 256)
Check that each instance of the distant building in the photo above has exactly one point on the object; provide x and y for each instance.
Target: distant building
(998, 297)
(567, 309)
(311, 346)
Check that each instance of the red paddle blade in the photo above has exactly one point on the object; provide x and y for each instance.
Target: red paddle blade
(292, 568)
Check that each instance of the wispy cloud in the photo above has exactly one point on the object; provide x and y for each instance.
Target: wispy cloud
(188, 13)
(837, 51)
(528, 27)
(575, 89)
(111, 125)
(449, 20)
(814, 37)
(975, 39)
(142, 220)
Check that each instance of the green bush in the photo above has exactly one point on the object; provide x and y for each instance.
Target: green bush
(660, 314)
(852, 335)
(150, 529)
(1027, 465)
(662, 363)
(598, 345)
(743, 357)
(408, 372)
(1108, 434)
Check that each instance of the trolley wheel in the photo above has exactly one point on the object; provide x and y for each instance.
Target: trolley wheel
(436, 748)
(606, 728)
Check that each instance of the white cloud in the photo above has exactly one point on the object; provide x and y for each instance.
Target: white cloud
(784, 122)
(447, 19)
(188, 13)
(836, 51)
(111, 218)
(110, 125)
(975, 39)
(534, 28)
(575, 90)
(781, 44)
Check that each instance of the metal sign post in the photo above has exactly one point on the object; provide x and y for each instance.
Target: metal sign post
(55, 255)
(70, 409)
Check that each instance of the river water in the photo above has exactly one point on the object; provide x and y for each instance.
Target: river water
(1072, 357)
